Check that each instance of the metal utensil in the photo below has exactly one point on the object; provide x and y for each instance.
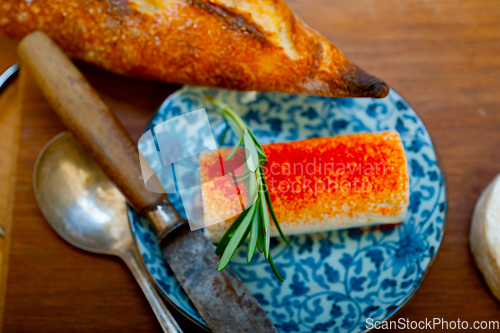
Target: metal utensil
(6, 78)
(86, 209)
(221, 298)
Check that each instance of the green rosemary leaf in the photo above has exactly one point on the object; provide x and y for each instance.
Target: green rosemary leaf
(254, 235)
(275, 270)
(260, 239)
(261, 154)
(240, 176)
(233, 118)
(265, 220)
(251, 185)
(245, 236)
(227, 235)
(262, 160)
(236, 239)
(253, 137)
(268, 197)
(261, 151)
(242, 179)
(257, 144)
(250, 152)
(228, 109)
(234, 125)
(255, 221)
(220, 105)
(235, 149)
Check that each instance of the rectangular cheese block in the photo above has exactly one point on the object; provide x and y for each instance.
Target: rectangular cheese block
(315, 185)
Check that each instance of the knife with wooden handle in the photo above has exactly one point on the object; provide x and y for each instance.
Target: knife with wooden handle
(222, 299)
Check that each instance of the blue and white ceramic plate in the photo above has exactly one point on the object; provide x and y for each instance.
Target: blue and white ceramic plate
(334, 281)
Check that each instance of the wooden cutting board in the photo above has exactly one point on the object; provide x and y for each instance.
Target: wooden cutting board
(10, 125)
(441, 56)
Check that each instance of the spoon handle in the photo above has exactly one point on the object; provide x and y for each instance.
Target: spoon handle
(165, 318)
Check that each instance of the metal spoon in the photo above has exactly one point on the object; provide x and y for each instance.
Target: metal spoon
(88, 211)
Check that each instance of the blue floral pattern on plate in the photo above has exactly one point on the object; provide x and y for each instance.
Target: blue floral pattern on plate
(335, 280)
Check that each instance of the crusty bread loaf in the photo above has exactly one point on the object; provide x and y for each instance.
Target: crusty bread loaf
(233, 44)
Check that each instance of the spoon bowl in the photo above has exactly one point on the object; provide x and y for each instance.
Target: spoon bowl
(86, 209)
(78, 200)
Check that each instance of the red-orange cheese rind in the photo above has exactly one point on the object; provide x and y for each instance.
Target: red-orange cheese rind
(326, 183)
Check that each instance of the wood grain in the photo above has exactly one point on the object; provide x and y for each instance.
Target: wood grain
(442, 56)
(10, 126)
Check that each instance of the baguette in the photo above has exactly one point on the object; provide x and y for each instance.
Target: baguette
(233, 44)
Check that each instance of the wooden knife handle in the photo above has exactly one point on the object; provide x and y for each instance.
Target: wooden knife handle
(223, 300)
(94, 125)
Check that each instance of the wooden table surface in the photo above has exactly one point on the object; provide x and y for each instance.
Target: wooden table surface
(442, 56)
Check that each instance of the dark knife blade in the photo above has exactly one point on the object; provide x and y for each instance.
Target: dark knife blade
(222, 299)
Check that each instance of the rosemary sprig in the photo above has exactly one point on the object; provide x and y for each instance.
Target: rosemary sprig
(255, 220)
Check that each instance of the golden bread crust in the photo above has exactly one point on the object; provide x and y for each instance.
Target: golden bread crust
(233, 44)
